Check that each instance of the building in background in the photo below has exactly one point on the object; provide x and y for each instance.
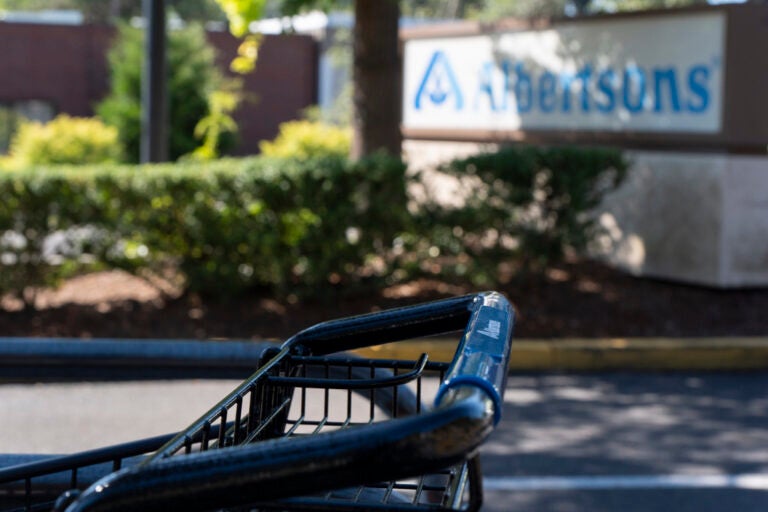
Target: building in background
(52, 63)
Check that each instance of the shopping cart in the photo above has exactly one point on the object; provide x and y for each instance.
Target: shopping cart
(313, 431)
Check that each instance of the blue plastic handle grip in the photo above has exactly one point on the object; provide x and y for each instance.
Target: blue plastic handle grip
(483, 355)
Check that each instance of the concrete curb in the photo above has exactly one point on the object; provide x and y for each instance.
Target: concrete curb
(617, 354)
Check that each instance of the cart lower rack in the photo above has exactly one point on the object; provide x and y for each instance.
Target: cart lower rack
(310, 430)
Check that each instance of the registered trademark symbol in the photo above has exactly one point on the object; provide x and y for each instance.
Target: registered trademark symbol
(716, 61)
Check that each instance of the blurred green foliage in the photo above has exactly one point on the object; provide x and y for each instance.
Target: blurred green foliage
(192, 78)
(303, 226)
(522, 204)
(213, 130)
(227, 226)
(308, 139)
(64, 140)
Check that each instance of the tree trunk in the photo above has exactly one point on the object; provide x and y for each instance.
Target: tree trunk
(376, 76)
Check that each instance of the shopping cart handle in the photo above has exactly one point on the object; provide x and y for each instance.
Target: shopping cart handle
(483, 355)
(481, 359)
(397, 324)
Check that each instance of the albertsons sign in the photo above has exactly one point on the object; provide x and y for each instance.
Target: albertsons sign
(635, 74)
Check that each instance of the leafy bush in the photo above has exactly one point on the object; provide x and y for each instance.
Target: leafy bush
(39, 206)
(525, 204)
(300, 226)
(64, 140)
(308, 139)
(278, 223)
(214, 128)
(291, 226)
(192, 77)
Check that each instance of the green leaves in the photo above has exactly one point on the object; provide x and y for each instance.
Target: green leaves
(227, 226)
(240, 14)
(304, 140)
(524, 203)
(300, 227)
(64, 140)
(193, 82)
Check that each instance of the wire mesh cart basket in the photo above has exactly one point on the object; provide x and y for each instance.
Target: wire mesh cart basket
(313, 428)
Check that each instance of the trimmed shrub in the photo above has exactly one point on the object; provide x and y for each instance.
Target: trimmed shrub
(64, 140)
(308, 139)
(228, 226)
(300, 226)
(529, 205)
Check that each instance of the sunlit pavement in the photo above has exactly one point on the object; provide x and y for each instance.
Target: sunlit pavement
(65, 418)
(602, 442)
(610, 442)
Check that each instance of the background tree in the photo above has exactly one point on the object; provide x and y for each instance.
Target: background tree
(376, 79)
(441, 9)
(489, 10)
(102, 11)
(192, 77)
(496, 9)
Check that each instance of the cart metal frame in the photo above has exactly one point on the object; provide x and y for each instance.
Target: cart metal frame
(289, 438)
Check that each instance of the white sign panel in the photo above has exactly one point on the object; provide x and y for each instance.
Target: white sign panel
(641, 74)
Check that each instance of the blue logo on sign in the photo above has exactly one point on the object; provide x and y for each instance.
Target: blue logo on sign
(516, 86)
(439, 83)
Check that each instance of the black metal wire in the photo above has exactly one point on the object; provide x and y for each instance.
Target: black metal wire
(271, 398)
(292, 395)
(428, 492)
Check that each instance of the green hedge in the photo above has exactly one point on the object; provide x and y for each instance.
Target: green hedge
(308, 139)
(227, 226)
(300, 226)
(523, 204)
(64, 140)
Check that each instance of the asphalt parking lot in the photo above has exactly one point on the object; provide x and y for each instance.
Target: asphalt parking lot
(631, 442)
(597, 442)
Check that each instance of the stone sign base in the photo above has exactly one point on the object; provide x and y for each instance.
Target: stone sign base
(693, 217)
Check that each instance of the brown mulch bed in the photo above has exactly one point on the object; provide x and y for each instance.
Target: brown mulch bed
(576, 299)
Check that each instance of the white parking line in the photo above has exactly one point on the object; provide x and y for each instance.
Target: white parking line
(606, 483)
